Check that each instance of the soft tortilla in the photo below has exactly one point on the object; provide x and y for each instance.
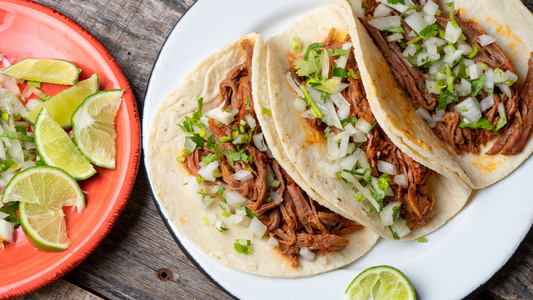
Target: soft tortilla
(167, 175)
(511, 23)
(306, 147)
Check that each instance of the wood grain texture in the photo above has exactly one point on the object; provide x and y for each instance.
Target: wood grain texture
(60, 290)
(126, 264)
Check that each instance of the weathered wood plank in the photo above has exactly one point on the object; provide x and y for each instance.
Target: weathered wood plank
(60, 290)
(125, 265)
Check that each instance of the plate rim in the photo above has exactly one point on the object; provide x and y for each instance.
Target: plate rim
(131, 172)
(470, 296)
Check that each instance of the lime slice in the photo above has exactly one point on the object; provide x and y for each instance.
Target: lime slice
(93, 127)
(57, 149)
(62, 106)
(382, 282)
(44, 226)
(45, 70)
(46, 186)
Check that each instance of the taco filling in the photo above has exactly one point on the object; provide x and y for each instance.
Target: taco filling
(461, 82)
(332, 98)
(233, 166)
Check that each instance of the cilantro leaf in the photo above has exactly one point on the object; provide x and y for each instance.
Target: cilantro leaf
(339, 72)
(310, 48)
(10, 209)
(242, 248)
(352, 74)
(338, 52)
(310, 65)
(443, 99)
(482, 123)
(396, 1)
(378, 198)
(477, 85)
(425, 32)
(398, 29)
(197, 139)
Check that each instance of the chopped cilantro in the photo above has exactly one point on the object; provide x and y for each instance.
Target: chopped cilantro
(194, 120)
(363, 5)
(482, 123)
(338, 52)
(425, 32)
(378, 198)
(210, 158)
(339, 72)
(10, 209)
(310, 65)
(44, 97)
(477, 85)
(239, 247)
(396, 1)
(352, 74)
(222, 228)
(394, 235)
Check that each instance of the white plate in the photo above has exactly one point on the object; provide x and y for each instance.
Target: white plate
(456, 260)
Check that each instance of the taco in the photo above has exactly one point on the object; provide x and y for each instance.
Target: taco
(332, 135)
(217, 167)
(464, 72)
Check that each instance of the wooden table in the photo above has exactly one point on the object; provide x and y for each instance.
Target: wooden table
(139, 259)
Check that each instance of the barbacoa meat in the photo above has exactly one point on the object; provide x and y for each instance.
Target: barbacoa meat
(297, 221)
(512, 138)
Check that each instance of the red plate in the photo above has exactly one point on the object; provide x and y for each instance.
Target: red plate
(29, 29)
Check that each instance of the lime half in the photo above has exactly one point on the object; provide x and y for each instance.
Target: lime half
(62, 106)
(381, 282)
(93, 127)
(45, 70)
(46, 186)
(57, 149)
(44, 226)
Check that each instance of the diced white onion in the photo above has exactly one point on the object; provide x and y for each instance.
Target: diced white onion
(240, 212)
(472, 110)
(395, 37)
(277, 198)
(332, 169)
(465, 47)
(306, 254)
(388, 211)
(431, 87)
(333, 149)
(382, 10)
(299, 104)
(219, 115)
(506, 90)
(400, 227)
(343, 106)
(357, 9)
(363, 160)
(212, 218)
(28, 164)
(417, 22)
(7, 177)
(436, 67)
(468, 62)
(359, 137)
(410, 50)
(499, 76)
(386, 22)
(325, 65)
(451, 57)
(487, 103)
(439, 115)
(343, 147)
(401, 180)
(399, 7)
(422, 58)
(234, 219)
(363, 125)
(424, 115)
(234, 112)
(430, 19)
(489, 83)
(207, 171)
(6, 231)
(340, 87)
(452, 34)
(218, 225)
(432, 52)
(386, 167)
(435, 41)
(511, 76)
(327, 109)
(272, 242)
(466, 86)
(259, 143)
(240, 139)
(412, 34)
(307, 114)
(251, 120)
(348, 162)
(257, 227)
(431, 8)
(341, 61)
(293, 85)
(501, 110)
(485, 40)
(475, 71)
(243, 175)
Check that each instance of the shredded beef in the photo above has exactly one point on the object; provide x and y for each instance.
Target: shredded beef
(293, 223)
(511, 137)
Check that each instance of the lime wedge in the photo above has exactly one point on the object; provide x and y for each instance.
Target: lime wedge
(44, 226)
(45, 70)
(93, 127)
(382, 282)
(62, 106)
(46, 186)
(56, 149)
